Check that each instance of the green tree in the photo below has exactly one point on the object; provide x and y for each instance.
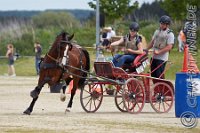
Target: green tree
(56, 19)
(177, 8)
(115, 9)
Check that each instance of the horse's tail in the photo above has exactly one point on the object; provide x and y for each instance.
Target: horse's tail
(87, 68)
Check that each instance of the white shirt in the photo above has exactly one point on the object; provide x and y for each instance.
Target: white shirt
(110, 34)
(170, 40)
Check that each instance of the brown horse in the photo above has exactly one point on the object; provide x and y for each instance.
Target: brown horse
(52, 70)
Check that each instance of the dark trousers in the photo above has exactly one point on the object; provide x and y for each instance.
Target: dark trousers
(106, 42)
(120, 60)
(37, 65)
(157, 69)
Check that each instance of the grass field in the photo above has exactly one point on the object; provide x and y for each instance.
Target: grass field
(25, 65)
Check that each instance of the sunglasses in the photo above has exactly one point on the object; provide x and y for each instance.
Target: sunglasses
(163, 23)
(132, 30)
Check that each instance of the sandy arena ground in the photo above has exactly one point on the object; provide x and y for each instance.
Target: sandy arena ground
(48, 114)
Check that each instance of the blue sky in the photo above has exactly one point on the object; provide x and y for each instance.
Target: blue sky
(47, 4)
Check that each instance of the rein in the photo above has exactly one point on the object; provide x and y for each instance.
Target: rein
(92, 74)
(52, 58)
(57, 61)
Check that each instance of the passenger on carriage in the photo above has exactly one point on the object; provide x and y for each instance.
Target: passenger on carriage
(162, 42)
(133, 46)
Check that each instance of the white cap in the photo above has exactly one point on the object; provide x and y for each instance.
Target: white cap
(109, 28)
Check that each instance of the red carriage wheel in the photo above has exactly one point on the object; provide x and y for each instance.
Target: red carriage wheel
(119, 100)
(133, 96)
(161, 97)
(91, 97)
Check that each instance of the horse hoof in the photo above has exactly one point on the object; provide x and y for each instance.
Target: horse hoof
(34, 94)
(27, 112)
(62, 97)
(67, 110)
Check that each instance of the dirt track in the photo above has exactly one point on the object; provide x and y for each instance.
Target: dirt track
(48, 114)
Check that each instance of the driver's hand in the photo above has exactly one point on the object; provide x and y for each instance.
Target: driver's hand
(156, 52)
(126, 51)
(111, 48)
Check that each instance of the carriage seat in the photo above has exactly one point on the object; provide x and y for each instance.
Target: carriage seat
(108, 70)
(140, 58)
(131, 67)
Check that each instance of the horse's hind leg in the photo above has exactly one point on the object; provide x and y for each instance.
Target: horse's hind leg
(73, 91)
(30, 108)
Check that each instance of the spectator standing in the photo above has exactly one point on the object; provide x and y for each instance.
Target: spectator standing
(38, 52)
(10, 56)
(110, 33)
(181, 41)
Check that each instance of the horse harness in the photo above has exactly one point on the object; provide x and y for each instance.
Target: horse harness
(72, 67)
(57, 64)
(60, 65)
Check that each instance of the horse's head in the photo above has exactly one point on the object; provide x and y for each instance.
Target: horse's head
(63, 39)
(59, 45)
(66, 38)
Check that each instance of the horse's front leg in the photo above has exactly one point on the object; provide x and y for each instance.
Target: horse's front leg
(63, 89)
(62, 93)
(30, 108)
(71, 100)
(34, 94)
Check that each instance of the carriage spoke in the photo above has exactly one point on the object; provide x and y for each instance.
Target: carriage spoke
(163, 106)
(119, 100)
(88, 102)
(168, 98)
(133, 106)
(120, 103)
(163, 89)
(87, 91)
(86, 97)
(154, 104)
(138, 105)
(158, 90)
(166, 92)
(167, 103)
(98, 99)
(94, 104)
(91, 104)
(138, 93)
(159, 106)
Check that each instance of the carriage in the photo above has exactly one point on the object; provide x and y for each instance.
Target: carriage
(130, 87)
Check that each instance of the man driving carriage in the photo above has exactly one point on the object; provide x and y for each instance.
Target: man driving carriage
(162, 42)
(133, 46)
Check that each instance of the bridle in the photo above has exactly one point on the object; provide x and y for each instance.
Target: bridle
(57, 60)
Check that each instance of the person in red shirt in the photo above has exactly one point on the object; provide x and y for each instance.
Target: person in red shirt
(181, 41)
